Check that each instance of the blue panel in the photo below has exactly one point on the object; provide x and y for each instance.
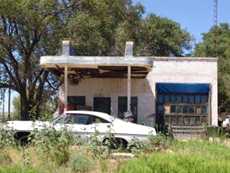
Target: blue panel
(179, 88)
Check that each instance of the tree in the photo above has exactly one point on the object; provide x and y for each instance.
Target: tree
(28, 29)
(16, 107)
(32, 28)
(102, 28)
(93, 29)
(216, 44)
(155, 35)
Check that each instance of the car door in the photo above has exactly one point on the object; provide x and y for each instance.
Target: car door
(80, 125)
(102, 126)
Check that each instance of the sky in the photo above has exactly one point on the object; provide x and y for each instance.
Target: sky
(196, 16)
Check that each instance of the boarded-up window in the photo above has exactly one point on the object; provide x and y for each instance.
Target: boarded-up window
(122, 106)
(102, 104)
(76, 100)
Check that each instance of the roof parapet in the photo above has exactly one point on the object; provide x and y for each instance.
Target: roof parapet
(65, 48)
(129, 49)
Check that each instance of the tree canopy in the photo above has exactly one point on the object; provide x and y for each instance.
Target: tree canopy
(216, 44)
(102, 28)
(32, 28)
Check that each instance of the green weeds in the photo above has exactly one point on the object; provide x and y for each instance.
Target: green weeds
(183, 157)
(53, 144)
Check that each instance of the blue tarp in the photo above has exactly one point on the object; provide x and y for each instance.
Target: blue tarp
(178, 88)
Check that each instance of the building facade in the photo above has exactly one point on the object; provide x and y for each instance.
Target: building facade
(158, 90)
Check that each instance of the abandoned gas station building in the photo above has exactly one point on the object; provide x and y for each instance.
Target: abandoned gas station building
(175, 90)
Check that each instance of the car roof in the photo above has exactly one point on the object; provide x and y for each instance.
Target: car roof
(95, 113)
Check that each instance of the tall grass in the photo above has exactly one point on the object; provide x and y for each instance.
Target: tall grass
(18, 169)
(183, 157)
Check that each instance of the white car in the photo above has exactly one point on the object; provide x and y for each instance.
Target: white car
(86, 123)
(226, 122)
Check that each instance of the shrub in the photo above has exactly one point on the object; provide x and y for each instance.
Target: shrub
(215, 132)
(154, 143)
(98, 149)
(136, 146)
(160, 141)
(53, 144)
(81, 163)
(6, 138)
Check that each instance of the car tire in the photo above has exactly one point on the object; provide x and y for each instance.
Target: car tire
(115, 143)
(22, 138)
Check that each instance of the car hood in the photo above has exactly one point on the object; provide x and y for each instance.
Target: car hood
(120, 126)
(26, 125)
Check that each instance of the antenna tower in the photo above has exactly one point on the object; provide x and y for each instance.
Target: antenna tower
(215, 12)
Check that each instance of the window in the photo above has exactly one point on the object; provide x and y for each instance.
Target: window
(185, 109)
(96, 120)
(179, 99)
(173, 99)
(102, 104)
(84, 119)
(167, 98)
(173, 109)
(76, 100)
(160, 109)
(190, 109)
(58, 119)
(179, 109)
(204, 110)
(185, 98)
(161, 99)
(204, 99)
(191, 99)
(198, 110)
(197, 99)
(78, 119)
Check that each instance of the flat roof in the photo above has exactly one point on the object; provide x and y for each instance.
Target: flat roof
(94, 61)
(207, 59)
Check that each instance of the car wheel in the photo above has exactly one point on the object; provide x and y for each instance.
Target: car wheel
(22, 137)
(115, 143)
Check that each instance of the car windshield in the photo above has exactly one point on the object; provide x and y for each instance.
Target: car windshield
(78, 119)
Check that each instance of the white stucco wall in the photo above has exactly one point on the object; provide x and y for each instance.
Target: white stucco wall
(188, 70)
(168, 69)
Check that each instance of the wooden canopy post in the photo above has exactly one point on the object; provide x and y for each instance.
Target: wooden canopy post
(66, 88)
(66, 54)
(128, 54)
(129, 89)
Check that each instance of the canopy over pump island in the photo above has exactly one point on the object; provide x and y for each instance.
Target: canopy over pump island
(174, 91)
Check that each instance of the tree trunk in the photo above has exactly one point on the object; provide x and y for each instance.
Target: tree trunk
(25, 108)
